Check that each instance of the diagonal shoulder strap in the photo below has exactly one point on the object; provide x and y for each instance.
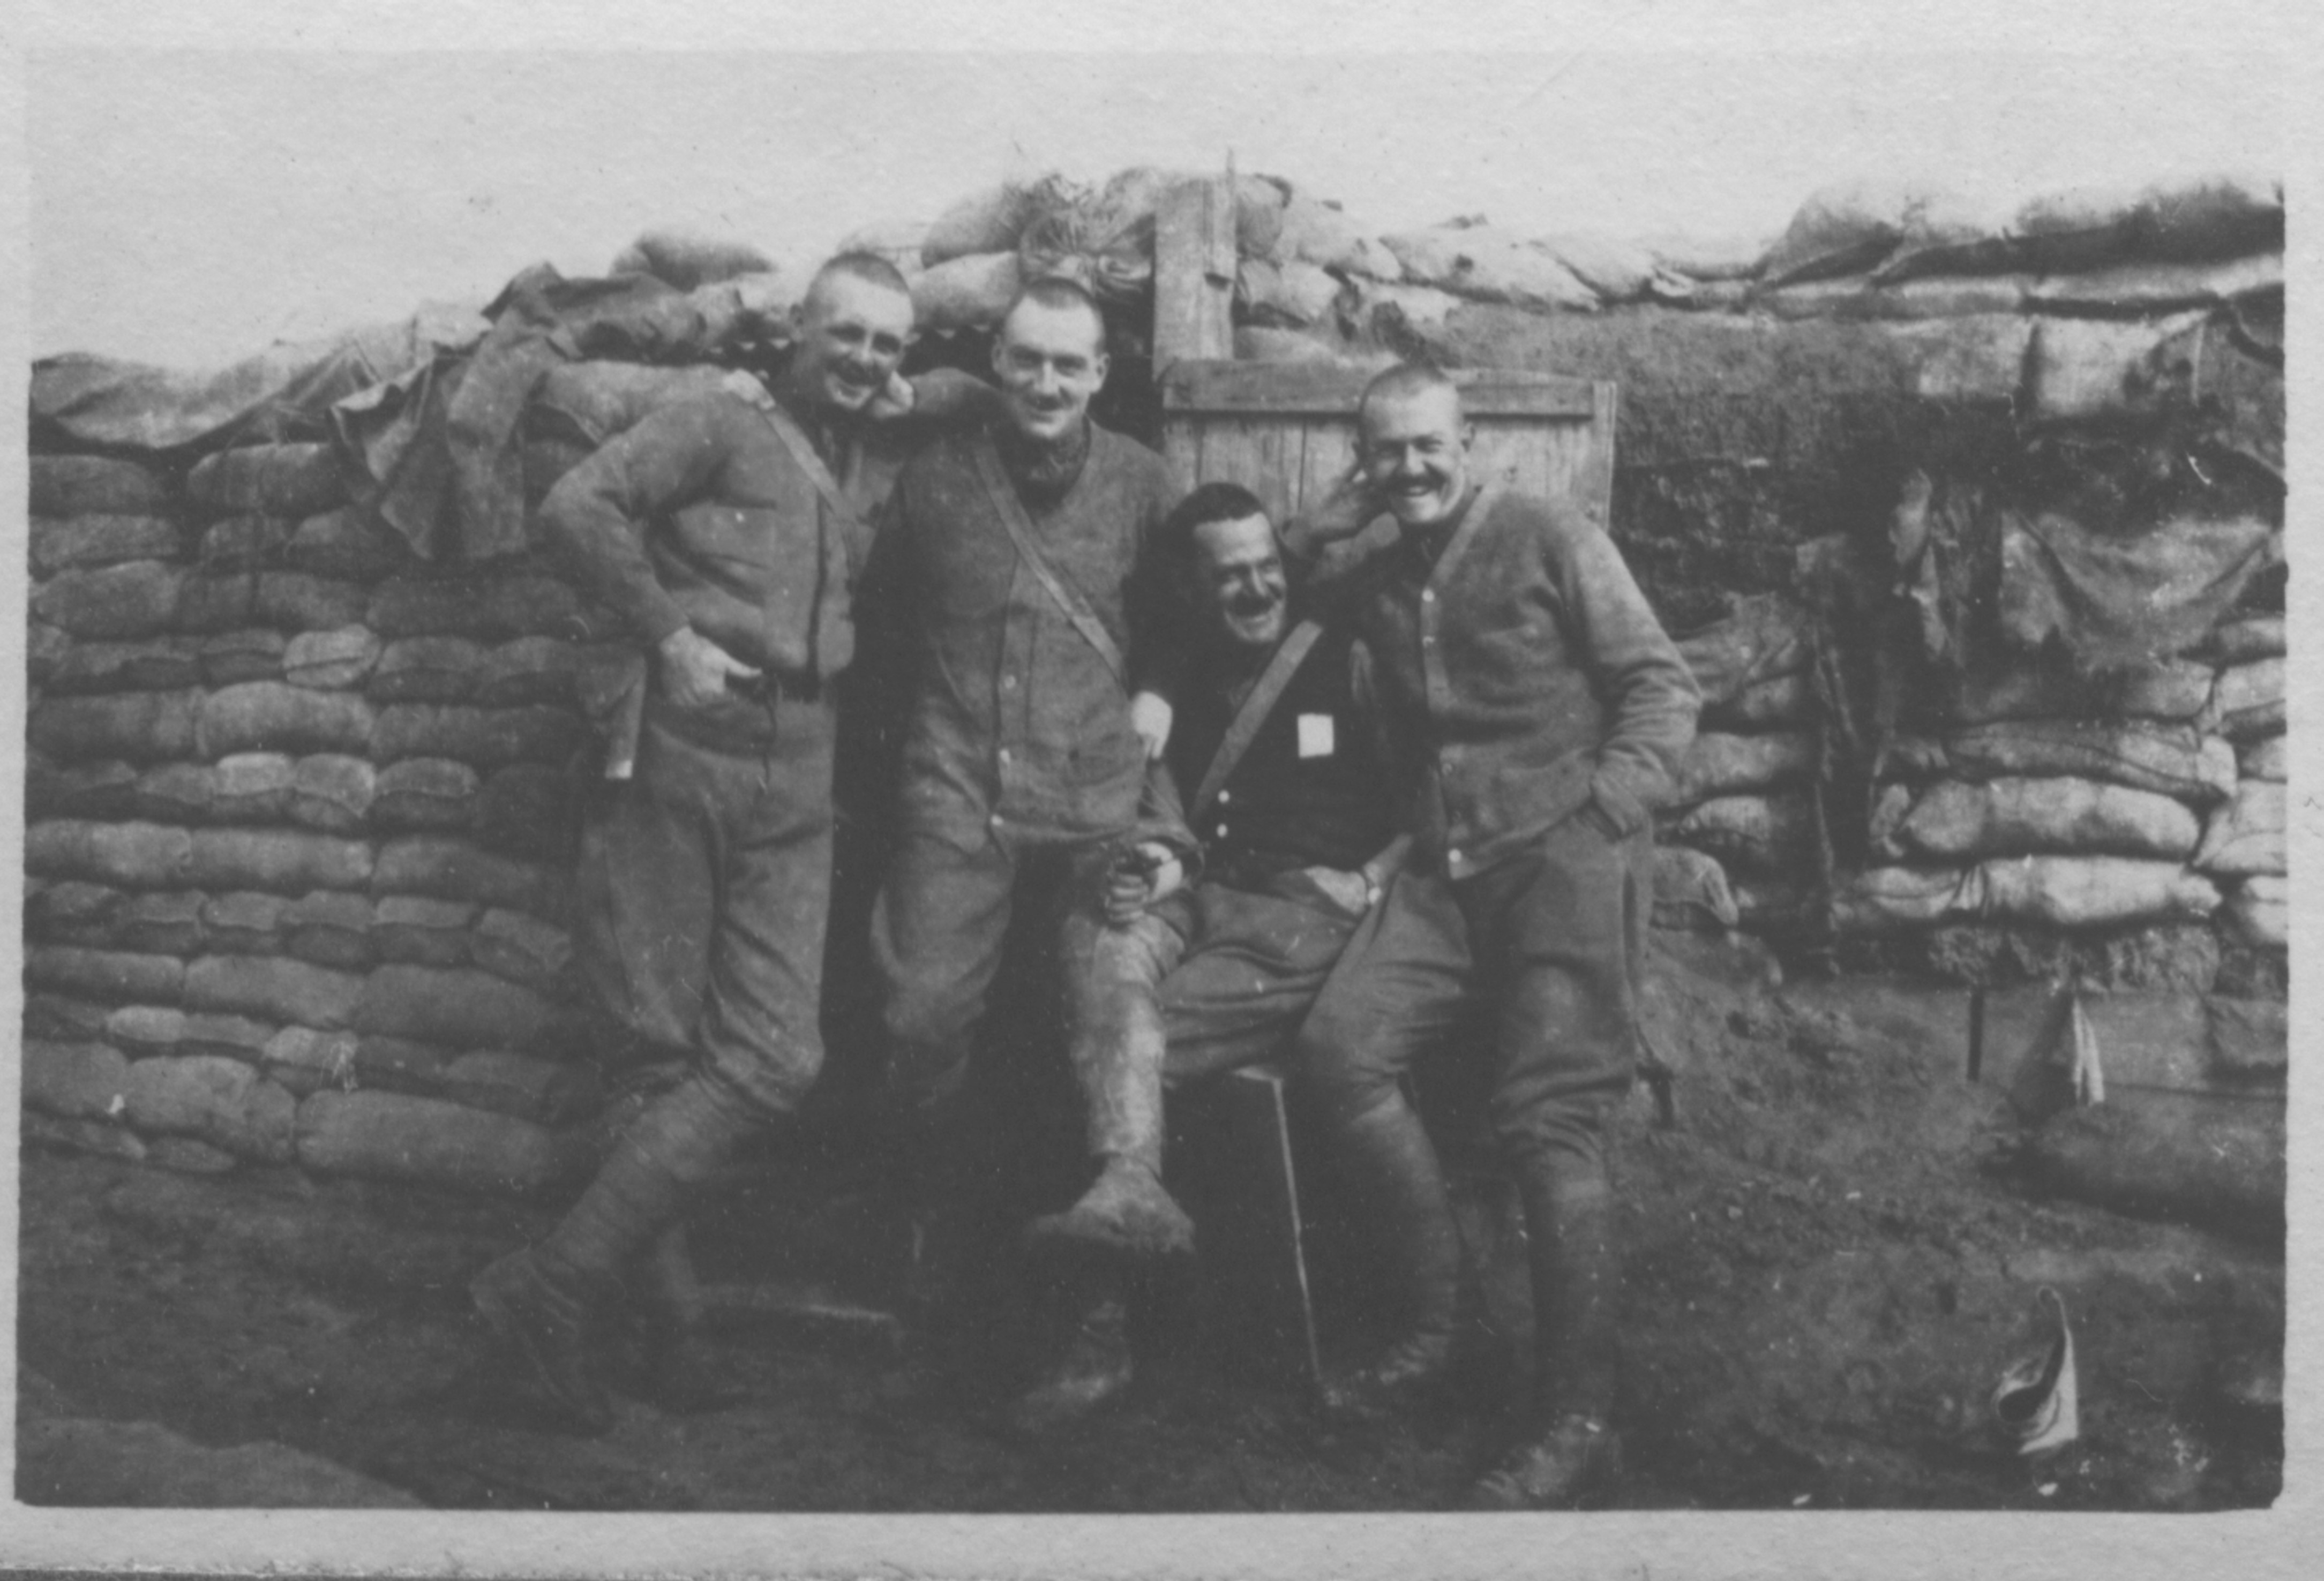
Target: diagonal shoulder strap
(1488, 496)
(1066, 596)
(802, 449)
(1244, 728)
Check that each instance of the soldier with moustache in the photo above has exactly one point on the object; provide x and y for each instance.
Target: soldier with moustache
(727, 534)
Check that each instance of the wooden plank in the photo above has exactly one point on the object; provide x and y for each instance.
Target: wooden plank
(1324, 391)
(1327, 451)
(1195, 273)
(1264, 455)
(1182, 448)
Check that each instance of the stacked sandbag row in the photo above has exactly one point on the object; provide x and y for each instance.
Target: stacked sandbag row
(300, 814)
(1740, 843)
(2151, 796)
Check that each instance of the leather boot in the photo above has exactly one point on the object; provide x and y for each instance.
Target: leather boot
(543, 1317)
(681, 1377)
(1569, 1453)
(1118, 1046)
(1397, 1185)
(1094, 1371)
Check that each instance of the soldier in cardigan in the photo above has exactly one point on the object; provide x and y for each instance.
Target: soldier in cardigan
(1545, 710)
(726, 534)
(1277, 739)
(1017, 562)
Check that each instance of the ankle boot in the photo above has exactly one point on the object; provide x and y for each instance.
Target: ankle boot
(1393, 1177)
(681, 1375)
(1094, 1371)
(543, 1317)
(1574, 1460)
(1118, 1047)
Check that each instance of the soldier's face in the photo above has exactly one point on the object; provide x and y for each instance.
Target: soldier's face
(1050, 360)
(1415, 454)
(1239, 572)
(851, 335)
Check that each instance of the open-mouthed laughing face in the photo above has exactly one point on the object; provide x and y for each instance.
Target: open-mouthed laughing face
(1238, 582)
(852, 333)
(1416, 454)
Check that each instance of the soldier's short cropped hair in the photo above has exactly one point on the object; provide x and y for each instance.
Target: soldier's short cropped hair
(869, 267)
(1055, 290)
(1208, 503)
(1403, 382)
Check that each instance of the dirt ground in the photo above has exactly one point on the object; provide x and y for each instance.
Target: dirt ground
(1829, 1264)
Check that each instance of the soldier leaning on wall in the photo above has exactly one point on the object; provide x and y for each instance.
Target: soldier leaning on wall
(728, 534)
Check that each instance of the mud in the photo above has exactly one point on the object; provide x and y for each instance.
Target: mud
(1830, 1261)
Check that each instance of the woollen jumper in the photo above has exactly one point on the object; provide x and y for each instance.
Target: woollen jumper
(1524, 681)
(1016, 725)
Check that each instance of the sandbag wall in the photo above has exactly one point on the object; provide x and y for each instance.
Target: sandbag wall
(300, 812)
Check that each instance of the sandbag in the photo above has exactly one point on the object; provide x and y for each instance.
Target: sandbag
(274, 988)
(329, 928)
(523, 949)
(162, 663)
(2158, 287)
(2076, 892)
(1775, 703)
(425, 794)
(223, 1102)
(395, 1137)
(290, 861)
(243, 543)
(1309, 231)
(1490, 265)
(63, 543)
(2252, 636)
(398, 1065)
(327, 661)
(74, 1081)
(273, 480)
(143, 1032)
(2246, 835)
(140, 727)
(2172, 760)
(216, 601)
(2260, 911)
(137, 598)
(103, 974)
(1716, 764)
(1858, 299)
(65, 1017)
(346, 545)
(2249, 704)
(1691, 890)
(2225, 214)
(986, 221)
(296, 601)
(1618, 270)
(253, 653)
(1966, 357)
(332, 793)
(530, 811)
(245, 922)
(134, 856)
(159, 922)
(2270, 759)
(1257, 343)
(303, 1060)
(898, 241)
(2007, 816)
(2175, 690)
(1773, 836)
(420, 931)
(2114, 598)
(45, 646)
(489, 609)
(531, 669)
(101, 1137)
(486, 738)
(683, 258)
(105, 790)
(546, 1091)
(72, 911)
(1710, 257)
(1764, 635)
(175, 793)
(2187, 1157)
(1849, 227)
(252, 787)
(2083, 367)
(970, 292)
(225, 1037)
(261, 716)
(95, 485)
(1382, 309)
(1292, 294)
(459, 1008)
(1101, 241)
(448, 868)
(427, 669)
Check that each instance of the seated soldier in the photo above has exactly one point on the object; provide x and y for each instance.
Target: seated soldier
(1290, 799)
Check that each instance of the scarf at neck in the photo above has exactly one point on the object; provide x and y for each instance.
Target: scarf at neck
(1043, 474)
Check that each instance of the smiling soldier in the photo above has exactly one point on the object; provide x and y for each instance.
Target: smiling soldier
(727, 535)
(1544, 709)
(1277, 742)
(1019, 563)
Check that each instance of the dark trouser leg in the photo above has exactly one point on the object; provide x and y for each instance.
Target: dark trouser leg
(1568, 922)
(1364, 1032)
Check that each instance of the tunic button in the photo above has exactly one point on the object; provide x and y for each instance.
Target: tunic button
(1222, 832)
(1004, 754)
(1453, 857)
(1428, 595)
(1008, 683)
(1224, 798)
(996, 820)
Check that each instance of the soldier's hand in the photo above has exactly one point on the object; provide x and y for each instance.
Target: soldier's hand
(1346, 510)
(694, 669)
(1148, 874)
(1149, 715)
(1351, 892)
(896, 399)
(747, 387)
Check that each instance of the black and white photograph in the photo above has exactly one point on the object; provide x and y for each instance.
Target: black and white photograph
(1517, 786)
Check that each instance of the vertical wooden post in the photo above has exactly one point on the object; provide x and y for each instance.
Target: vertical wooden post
(1194, 272)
